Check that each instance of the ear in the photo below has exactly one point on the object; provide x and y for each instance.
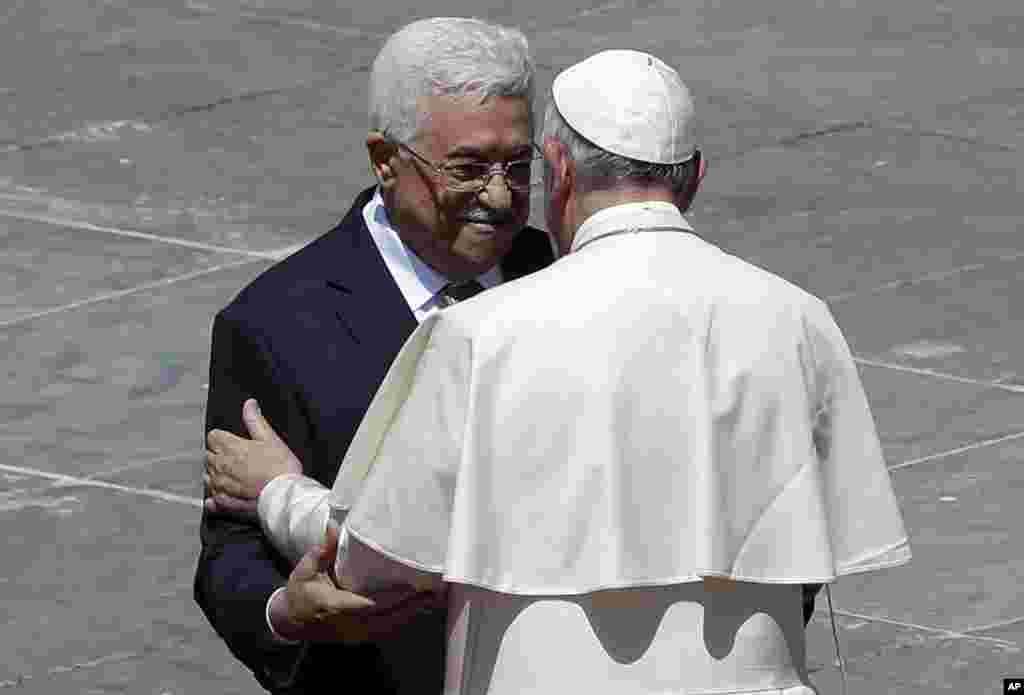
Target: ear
(690, 193)
(383, 154)
(559, 180)
(561, 166)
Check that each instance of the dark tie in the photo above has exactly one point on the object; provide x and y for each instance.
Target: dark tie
(455, 292)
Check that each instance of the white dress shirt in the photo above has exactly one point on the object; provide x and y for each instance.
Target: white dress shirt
(573, 452)
(419, 284)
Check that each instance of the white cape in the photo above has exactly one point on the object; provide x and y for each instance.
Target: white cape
(535, 449)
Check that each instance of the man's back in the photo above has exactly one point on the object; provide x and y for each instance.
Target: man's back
(653, 354)
(588, 470)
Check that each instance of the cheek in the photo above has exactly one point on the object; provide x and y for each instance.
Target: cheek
(419, 204)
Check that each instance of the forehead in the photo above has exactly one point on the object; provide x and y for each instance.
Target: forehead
(465, 125)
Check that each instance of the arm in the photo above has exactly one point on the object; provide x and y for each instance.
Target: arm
(293, 509)
(846, 442)
(238, 569)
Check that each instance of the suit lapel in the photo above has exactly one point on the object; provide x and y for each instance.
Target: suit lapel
(368, 302)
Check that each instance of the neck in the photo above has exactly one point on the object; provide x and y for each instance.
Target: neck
(592, 202)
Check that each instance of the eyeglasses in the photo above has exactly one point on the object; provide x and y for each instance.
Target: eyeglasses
(473, 177)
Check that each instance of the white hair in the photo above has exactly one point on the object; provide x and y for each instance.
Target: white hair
(445, 56)
(599, 169)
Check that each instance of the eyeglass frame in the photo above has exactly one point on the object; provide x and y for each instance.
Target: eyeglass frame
(480, 183)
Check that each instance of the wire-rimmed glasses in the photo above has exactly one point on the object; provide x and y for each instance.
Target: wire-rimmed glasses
(473, 177)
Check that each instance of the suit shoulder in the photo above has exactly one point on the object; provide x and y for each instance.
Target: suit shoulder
(285, 283)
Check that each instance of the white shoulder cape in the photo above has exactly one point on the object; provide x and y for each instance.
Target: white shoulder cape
(485, 461)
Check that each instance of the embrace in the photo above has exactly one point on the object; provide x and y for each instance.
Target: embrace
(448, 452)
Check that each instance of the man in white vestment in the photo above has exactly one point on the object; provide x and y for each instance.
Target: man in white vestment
(622, 467)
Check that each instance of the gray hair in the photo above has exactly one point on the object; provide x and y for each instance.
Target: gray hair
(599, 169)
(445, 56)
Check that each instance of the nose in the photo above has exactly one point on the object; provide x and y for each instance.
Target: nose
(497, 194)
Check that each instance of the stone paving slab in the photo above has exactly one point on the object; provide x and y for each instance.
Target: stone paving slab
(963, 523)
(192, 665)
(994, 118)
(175, 182)
(14, 487)
(90, 572)
(45, 266)
(853, 145)
(840, 60)
(117, 64)
(240, 172)
(968, 324)
(863, 166)
(919, 415)
(838, 255)
(179, 474)
(116, 381)
(882, 659)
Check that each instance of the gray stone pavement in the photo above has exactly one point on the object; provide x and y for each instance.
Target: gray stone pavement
(156, 155)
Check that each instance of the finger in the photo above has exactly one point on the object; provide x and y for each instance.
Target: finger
(347, 602)
(218, 478)
(236, 505)
(308, 566)
(211, 440)
(219, 441)
(256, 424)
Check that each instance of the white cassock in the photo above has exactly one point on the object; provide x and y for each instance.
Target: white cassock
(574, 451)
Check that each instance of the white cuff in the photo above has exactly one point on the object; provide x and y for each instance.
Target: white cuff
(293, 513)
(279, 638)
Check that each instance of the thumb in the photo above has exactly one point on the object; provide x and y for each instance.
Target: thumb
(257, 425)
(309, 565)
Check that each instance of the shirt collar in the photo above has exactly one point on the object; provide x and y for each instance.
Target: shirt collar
(629, 216)
(417, 281)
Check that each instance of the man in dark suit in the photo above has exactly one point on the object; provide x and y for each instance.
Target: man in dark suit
(312, 338)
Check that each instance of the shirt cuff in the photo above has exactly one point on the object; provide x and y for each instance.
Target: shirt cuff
(270, 625)
(293, 511)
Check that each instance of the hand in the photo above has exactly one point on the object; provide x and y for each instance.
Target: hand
(315, 609)
(237, 469)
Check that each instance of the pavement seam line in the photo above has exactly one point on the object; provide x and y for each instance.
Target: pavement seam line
(132, 234)
(926, 277)
(952, 634)
(92, 663)
(994, 626)
(25, 318)
(257, 18)
(958, 450)
(75, 481)
(909, 282)
(920, 371)
(138, 464)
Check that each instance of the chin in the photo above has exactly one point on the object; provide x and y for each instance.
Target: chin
(476, 259)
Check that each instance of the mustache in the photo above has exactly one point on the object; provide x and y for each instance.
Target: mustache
(491, 217)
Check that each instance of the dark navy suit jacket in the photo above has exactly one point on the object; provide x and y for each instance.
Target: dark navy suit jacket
(311, 339)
